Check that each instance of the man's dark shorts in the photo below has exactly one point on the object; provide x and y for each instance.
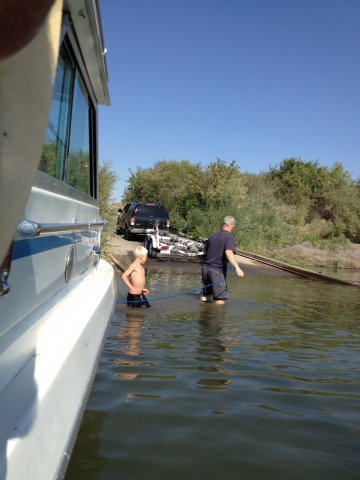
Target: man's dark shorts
(214, 283)
(137, 301)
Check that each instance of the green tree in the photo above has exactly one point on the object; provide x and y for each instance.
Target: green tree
(325, 194)
(191, 194)
(297, 182)
(166, 182)
(265, 222)
(293, 202)
(107, 181)
(221, 185)
(341, 203)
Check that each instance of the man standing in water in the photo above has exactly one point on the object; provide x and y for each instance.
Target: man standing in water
(220, 249)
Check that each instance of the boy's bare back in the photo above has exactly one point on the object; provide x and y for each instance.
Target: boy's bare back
(136, 278)
(134, 275)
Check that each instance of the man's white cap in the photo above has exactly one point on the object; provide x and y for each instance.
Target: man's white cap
(229, 221)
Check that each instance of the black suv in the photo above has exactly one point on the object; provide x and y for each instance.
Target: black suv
(137, 216)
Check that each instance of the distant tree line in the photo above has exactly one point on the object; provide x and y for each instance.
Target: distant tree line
(294, 202)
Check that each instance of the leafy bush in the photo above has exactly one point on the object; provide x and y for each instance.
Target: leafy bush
(317, 230)
(297, 201)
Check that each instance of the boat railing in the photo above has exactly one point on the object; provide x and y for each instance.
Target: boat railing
(29, 228)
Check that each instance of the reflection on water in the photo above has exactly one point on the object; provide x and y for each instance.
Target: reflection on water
(266, 386)
(211, 350)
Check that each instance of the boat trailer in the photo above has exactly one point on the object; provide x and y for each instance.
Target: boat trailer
(157, 243)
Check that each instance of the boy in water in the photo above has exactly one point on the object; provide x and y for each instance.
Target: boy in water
(134, 279)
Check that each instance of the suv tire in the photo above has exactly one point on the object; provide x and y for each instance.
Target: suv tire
(127, 234)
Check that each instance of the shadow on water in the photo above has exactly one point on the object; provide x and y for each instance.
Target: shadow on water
(86, 461)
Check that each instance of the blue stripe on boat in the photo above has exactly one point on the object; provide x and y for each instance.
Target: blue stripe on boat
(32, 246)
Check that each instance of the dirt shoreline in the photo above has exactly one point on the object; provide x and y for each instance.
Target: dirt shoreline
(120, 252)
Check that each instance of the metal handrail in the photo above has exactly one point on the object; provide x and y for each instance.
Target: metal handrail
(28, 228)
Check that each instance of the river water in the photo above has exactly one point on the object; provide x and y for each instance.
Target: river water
(265, 387)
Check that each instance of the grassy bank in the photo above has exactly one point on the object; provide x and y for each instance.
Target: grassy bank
(332, 256)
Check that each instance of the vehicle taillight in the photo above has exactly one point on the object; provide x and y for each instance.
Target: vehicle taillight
(167, 223)
(132, 221)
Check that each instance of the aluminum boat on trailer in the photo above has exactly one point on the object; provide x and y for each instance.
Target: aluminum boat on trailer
(56, 292)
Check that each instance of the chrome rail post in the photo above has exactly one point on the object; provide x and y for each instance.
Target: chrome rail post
(30, 229)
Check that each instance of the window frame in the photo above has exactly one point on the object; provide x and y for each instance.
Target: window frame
(69, 43)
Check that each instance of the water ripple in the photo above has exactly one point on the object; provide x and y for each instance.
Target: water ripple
(266, 386)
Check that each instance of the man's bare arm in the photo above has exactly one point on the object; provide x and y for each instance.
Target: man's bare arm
(231, 259)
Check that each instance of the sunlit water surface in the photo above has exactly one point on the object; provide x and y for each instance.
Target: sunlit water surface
(265, 387)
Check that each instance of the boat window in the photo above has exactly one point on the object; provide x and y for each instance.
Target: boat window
(66, 152)
(78, 168)
(53, 155)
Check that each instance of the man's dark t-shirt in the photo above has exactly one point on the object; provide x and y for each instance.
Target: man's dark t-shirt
(216, 245)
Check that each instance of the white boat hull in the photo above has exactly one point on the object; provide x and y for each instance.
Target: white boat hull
(45, 400)
(56, 293)
(51, 335)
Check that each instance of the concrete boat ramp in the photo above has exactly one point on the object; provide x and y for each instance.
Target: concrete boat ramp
(120, 251)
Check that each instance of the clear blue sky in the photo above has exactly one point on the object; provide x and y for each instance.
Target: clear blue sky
(255, 81)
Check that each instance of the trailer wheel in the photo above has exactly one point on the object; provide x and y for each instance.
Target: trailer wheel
(150, 248)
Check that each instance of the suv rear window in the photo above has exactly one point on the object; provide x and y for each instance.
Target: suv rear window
(152, 211)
